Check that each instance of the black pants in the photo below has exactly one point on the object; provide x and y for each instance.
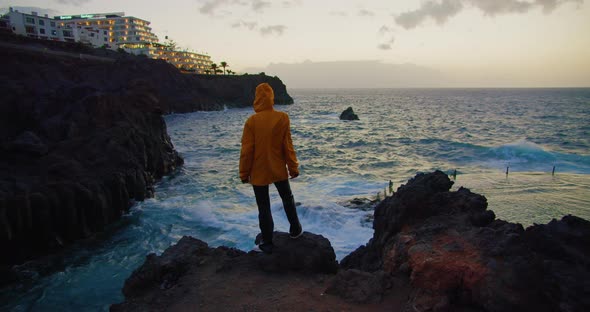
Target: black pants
(264, 214)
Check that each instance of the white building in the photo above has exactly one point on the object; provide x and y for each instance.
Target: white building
(110, 30)
(34, 26)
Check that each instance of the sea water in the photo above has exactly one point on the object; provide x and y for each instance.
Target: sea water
(479, 133)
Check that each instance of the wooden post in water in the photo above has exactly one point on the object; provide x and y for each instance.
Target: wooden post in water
(455, 174)
(507, 169)
(553, 172)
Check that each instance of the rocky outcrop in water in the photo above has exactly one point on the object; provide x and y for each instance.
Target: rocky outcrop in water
(455, 254)
(348, 114)
(433, 250)
(162, 280)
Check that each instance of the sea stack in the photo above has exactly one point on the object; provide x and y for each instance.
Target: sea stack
(349, 114)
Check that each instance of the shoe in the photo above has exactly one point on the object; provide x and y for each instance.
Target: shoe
(296, 234)
(264, 247)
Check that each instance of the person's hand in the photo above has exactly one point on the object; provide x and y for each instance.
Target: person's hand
(294, 175)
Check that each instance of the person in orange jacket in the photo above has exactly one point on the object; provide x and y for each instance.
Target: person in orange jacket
(268, 156)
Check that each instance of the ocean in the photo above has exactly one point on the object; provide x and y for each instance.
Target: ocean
(477, 133)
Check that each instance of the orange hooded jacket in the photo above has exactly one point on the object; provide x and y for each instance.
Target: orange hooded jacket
(267, 149)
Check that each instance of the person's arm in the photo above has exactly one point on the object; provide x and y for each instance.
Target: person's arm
(247, 153)
(289, 150)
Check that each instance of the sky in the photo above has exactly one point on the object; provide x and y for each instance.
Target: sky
(372, 43)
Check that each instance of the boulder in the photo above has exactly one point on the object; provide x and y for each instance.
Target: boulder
(164, 270)
(348, 114)
(308, 253)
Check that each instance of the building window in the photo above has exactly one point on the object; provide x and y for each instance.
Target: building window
(30, 29)
(105, 32)
(137, 38)
(105, 38)
(52, 24)
(91, 34)
(42, 22)
(54, 32)
(30, 20)
(68, 33)
(42, 31)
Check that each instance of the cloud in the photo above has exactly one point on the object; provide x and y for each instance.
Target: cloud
(259, 5)
(273, 30)
(29, 9)
(365, 12)
(245, 24)
(385, 30)
(277, 30)
(73, 2)
(212, 7)
(442, 11)
(338, 13)
(292, 3)
(384, 46)
(353, 74)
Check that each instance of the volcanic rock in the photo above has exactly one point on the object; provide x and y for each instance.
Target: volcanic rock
(310, 253)
(348, 114)
(455, 255)
(161, 278)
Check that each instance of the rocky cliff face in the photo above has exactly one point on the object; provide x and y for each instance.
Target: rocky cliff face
(81, 139)
(73, 156)
(176, 92)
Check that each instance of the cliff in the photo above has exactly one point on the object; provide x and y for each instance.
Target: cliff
(82, 137)
(63, 65)
(433, 250)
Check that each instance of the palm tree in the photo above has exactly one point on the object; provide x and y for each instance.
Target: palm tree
(224, 65)
(207, 71)
(214, 68)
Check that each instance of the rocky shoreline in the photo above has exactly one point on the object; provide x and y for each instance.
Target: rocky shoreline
(433, 250)
(83, 137)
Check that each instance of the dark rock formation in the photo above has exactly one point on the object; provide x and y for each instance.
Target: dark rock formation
(456, 255)
(73, 154)
(236, 91)
(348, 114)
(310, 253)
(177, 92)
(165, 270)
(360, 286)
(190, 257)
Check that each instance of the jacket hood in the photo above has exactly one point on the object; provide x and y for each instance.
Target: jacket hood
(265, 98)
